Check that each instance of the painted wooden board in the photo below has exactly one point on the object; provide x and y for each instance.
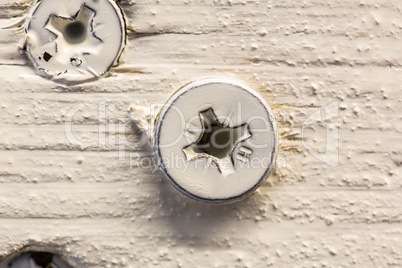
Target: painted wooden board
(88, 189)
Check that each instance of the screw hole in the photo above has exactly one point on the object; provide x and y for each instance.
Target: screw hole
(217, 140)
(75, 32)
(43, 259)
(34, 259)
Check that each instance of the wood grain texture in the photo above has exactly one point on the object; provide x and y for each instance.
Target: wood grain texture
(106, 207)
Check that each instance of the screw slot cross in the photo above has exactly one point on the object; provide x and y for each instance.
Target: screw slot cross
(217, 142)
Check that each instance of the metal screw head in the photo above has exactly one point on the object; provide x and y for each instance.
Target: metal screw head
(75, 40)
(216, 140)
(33, 258)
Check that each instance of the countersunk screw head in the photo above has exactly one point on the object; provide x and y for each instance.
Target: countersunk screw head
(75, 40)
(216, 140)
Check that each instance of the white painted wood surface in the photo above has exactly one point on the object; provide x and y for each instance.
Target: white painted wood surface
(103, 211)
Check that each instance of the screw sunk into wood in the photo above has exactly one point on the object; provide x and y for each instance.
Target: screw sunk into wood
(34, 258)
(216, 140)
(75, 40)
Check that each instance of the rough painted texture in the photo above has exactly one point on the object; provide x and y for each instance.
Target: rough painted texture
(300, 56)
